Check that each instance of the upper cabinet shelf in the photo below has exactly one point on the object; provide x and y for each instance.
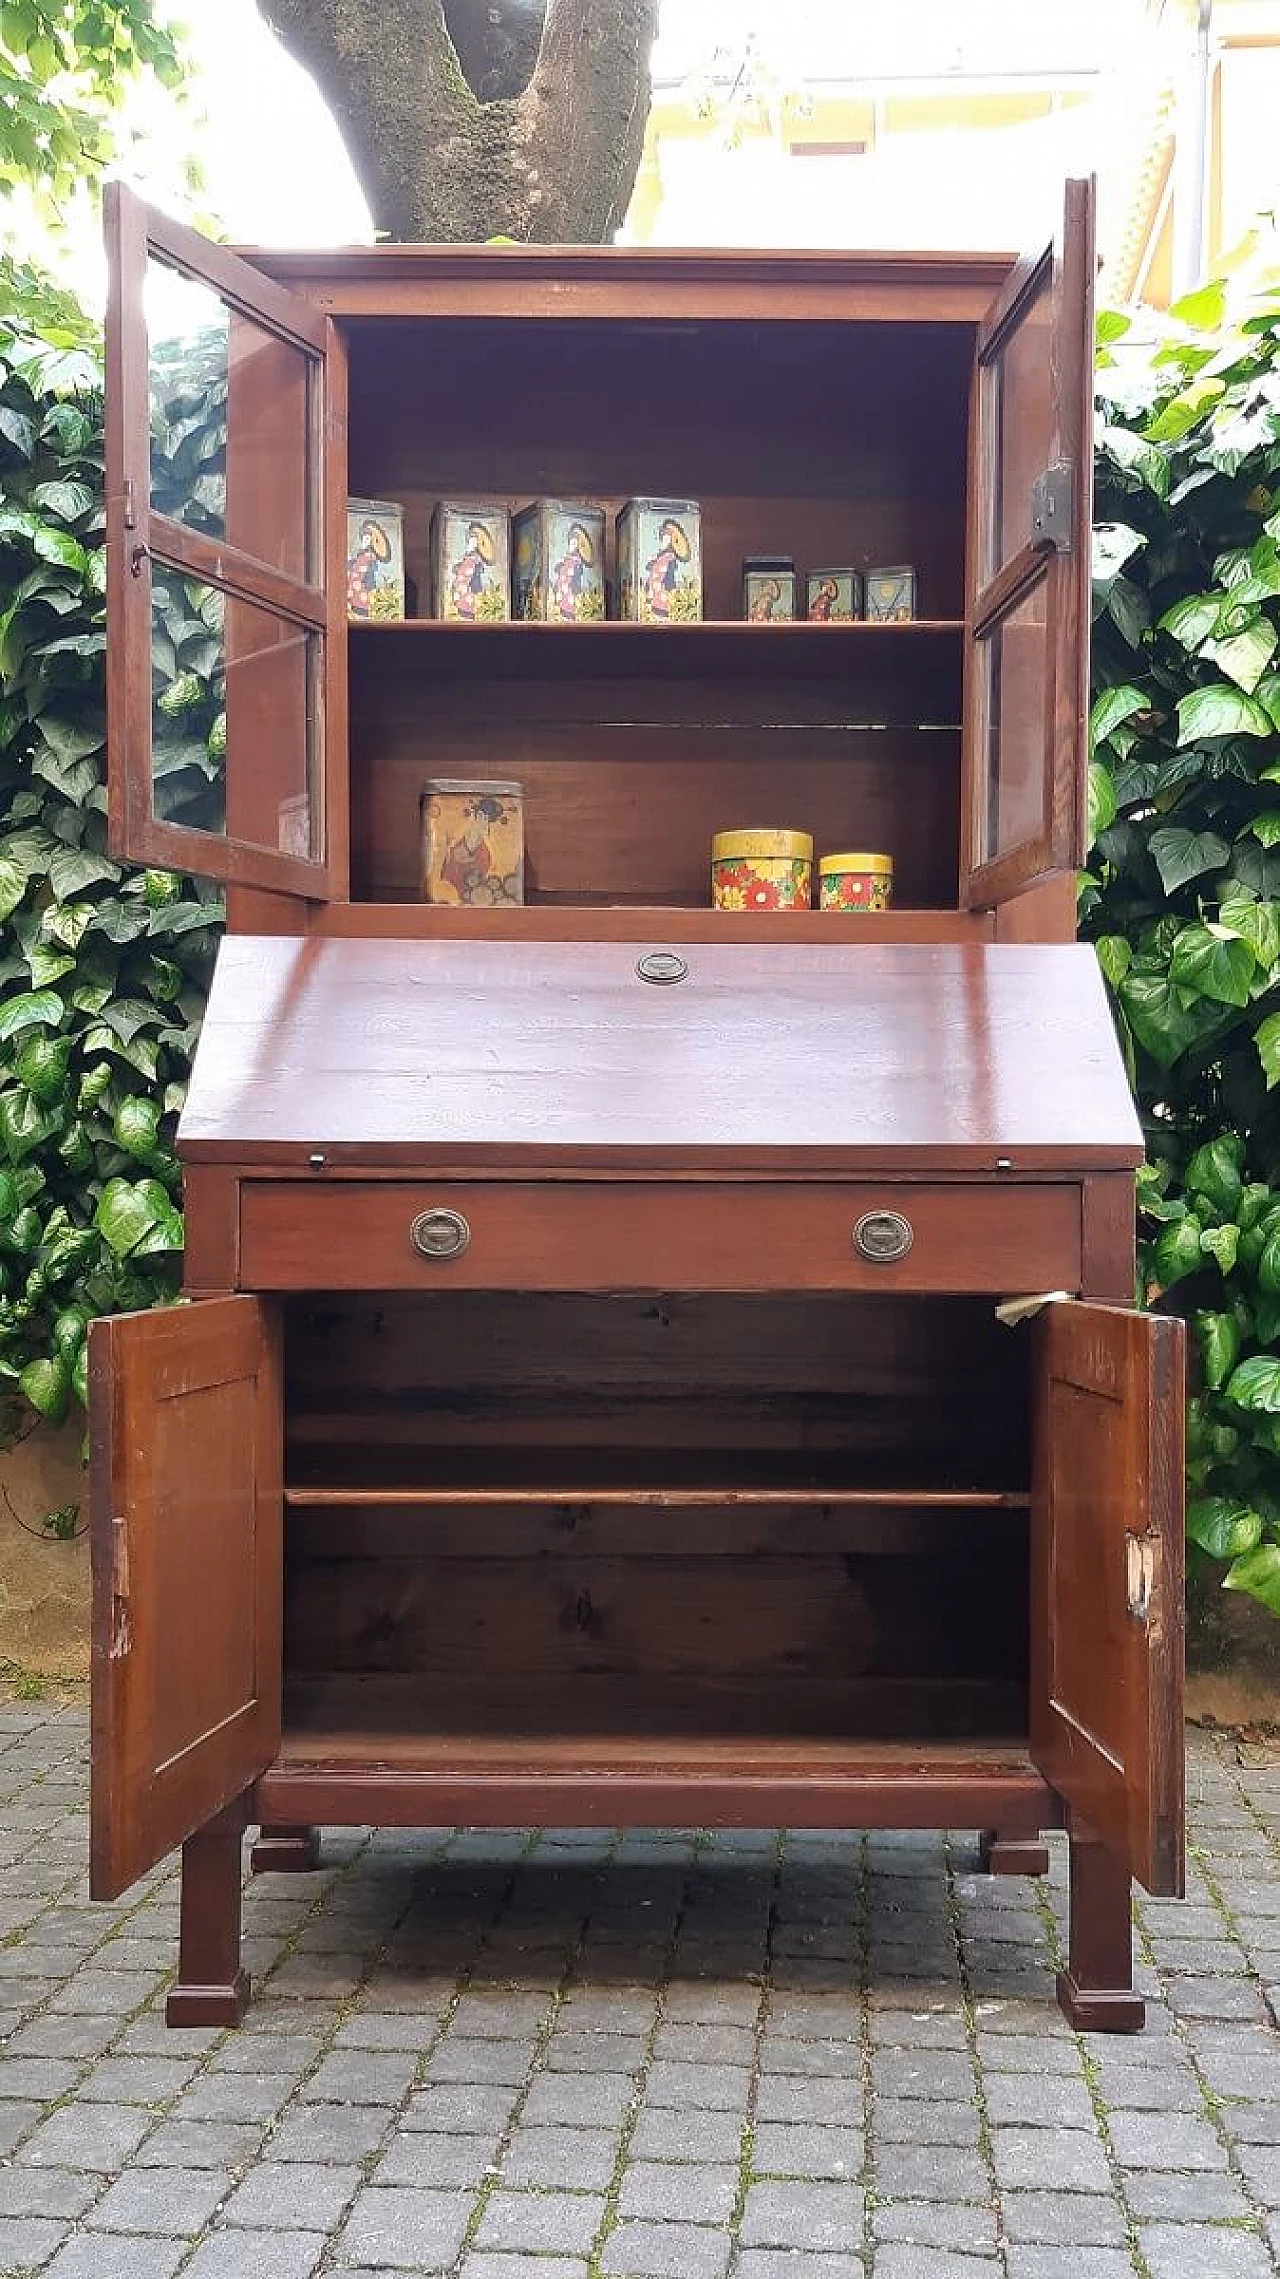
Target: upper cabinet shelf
(928, 645)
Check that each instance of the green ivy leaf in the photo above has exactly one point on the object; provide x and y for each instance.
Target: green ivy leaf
(1112, 708)
(1163, 1025)
(1192, 619)
(1220, 711)
(1115, 956)
(137, 1218)
(47, 1385)
(136, 1126)
(1101, 801)
(1213, 963)
(42, 1066)
(40, 1008)
(1177, 1251)
(1267, 1041)
(1181, 855)
(1223, 1526)
(1257, 923)
(1255, 1384)
(1215, 1171)
(1219, 1337)
(1257, 1573)
(1244, 658)
(1221, 1244)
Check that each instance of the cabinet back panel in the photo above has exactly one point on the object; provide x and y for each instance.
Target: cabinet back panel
(831, 443)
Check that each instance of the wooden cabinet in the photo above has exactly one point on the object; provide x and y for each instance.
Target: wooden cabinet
(592, 1404)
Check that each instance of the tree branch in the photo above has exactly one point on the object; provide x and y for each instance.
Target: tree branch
(497, 43)
(582, 119)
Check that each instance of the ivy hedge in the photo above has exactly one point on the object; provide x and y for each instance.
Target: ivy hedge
(1182, 897)
(103, 971)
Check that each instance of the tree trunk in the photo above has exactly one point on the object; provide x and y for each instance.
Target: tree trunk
(538, 139)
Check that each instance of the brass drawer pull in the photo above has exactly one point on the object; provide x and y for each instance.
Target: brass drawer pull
(883, 1236)
(440, 1234)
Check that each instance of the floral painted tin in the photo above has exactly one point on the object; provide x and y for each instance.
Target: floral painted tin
(769, 588)
(855, 882)
(472, 842)
(891, 595)
(375, 559)
(557, 561)
(761, 870)
(471, 562)
(660, 561)
(833, 597)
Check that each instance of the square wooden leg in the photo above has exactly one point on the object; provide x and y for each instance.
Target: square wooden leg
(212, 1988)
(285, 1851)
(1011, 1855)
(1095, 1991)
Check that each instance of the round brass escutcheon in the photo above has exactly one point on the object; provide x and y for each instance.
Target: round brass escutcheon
(883, 1236)
(440, 1234)
(661, 966)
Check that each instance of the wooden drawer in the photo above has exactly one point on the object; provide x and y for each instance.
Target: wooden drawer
(641, 1235)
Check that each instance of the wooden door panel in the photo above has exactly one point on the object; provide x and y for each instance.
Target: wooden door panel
(1027, 602)
(186, 1438)
(1107, 1580)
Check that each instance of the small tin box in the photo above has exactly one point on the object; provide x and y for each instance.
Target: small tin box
(833, 597)
(472, 842)
(471, 562)
(891, 596)
(768, 589)
(855, 882)
(557, 561)
(660, 561)
(375, 559)
(761, 870)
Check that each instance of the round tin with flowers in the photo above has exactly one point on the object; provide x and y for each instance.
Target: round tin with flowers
(855, 882)
(761, 870)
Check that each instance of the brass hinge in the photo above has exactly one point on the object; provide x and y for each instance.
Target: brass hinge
(130, 504)
(1053, 501)
(1141, 1552)
(121, 1610)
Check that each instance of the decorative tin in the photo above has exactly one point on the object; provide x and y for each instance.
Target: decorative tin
(472, 842)
(660, 561)
(833, 597)
(471, 562)
(761, 870)
(855, 882)
(891, 596)
(375, 559)
(769, 586)
(557, 561)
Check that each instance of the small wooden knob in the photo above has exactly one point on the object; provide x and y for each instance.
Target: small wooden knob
(440, 1234)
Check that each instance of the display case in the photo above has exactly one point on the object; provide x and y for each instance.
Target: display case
(592, 1405)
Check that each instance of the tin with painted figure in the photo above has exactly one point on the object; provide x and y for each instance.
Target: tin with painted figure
(660, 561)
(768, 589)
(471, 563)
(557, 561)
(472, 842)
(855, 882)
(375, 560)
(761, 870)
(833, 597)
(891, 595)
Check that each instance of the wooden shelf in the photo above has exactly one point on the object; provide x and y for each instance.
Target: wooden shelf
(321, 1498)
(616, 647)
(653, 924)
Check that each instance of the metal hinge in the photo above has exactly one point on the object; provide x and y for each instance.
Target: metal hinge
(130, 504)
(1140, 1553)
(1053, 499)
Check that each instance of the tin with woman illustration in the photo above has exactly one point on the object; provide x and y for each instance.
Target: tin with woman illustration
(833, 597)
(769, 585)
(471, 562)
(557, 561)
(472, 842)
(375, 560)
(660, 561)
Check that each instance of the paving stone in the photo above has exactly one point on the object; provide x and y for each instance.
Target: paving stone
(405, 2230)
(361, 2077)
(1047, 2100)
(414, 2157)
(257, 2255)
(922, 2073)
(287, 2195)
(161, 2200)
(577, 2159)
(802, 2215)
(520, 2267)
(329, 2132)
(724, 2087)
(698, 2136)
(137, 2080)
(959, 2226)
(1069, 2159)
(583, 2097)
(1067, 2219)
(1176, 2141)
(595, 2053)
(665, 2251)
(199, 2144)
(96, 2137)
(1261, 2172)
(1064, 2263)
(234, 2097)
(660, 2192)
(940, 2172)
(785, 2148)
(934, 2120)
(476, 2061)
(82, 2258)
(1202, 2251)
(781, 2263)
(28, 2240)
(901, 2261)
(460, 2105)
(1156, 2195)
(536, 2223)
(791, 2097)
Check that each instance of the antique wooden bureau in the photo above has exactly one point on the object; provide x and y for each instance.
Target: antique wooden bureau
(591, 1406)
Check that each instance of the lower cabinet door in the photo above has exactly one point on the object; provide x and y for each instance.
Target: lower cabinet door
(1107, 1562)
(187, 1520)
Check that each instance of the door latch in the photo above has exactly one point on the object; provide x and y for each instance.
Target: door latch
(1053, 499)
(1140, 1553)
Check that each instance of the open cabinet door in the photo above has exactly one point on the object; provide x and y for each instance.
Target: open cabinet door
(187, 1527)
(1107, 1581)
(1028, 575)
(220, 452)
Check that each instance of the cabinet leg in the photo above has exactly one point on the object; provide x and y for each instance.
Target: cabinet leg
(212, 1989)
(285, 1851)
(1011, 1855)
(1096, 1990)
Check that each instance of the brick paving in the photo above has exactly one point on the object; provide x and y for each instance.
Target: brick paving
(671, 2055)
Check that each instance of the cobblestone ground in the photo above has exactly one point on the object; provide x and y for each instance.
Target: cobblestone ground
(646, 2056)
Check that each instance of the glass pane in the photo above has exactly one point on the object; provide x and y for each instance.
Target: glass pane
(1017, 431)
(212, 374)
(230, 678)
(1013, 662)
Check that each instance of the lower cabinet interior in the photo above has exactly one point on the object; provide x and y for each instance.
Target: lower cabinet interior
(565, 1533)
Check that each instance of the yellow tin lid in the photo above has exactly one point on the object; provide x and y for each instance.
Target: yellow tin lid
(783, 845)
(832, 866)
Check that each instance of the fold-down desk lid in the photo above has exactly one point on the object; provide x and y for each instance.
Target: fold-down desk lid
(557, 1054)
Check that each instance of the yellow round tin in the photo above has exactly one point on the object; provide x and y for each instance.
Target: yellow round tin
(762, 870)
(855, 882)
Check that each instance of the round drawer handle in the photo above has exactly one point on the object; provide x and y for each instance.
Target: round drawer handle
(883, 1236)
(440, 1234)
